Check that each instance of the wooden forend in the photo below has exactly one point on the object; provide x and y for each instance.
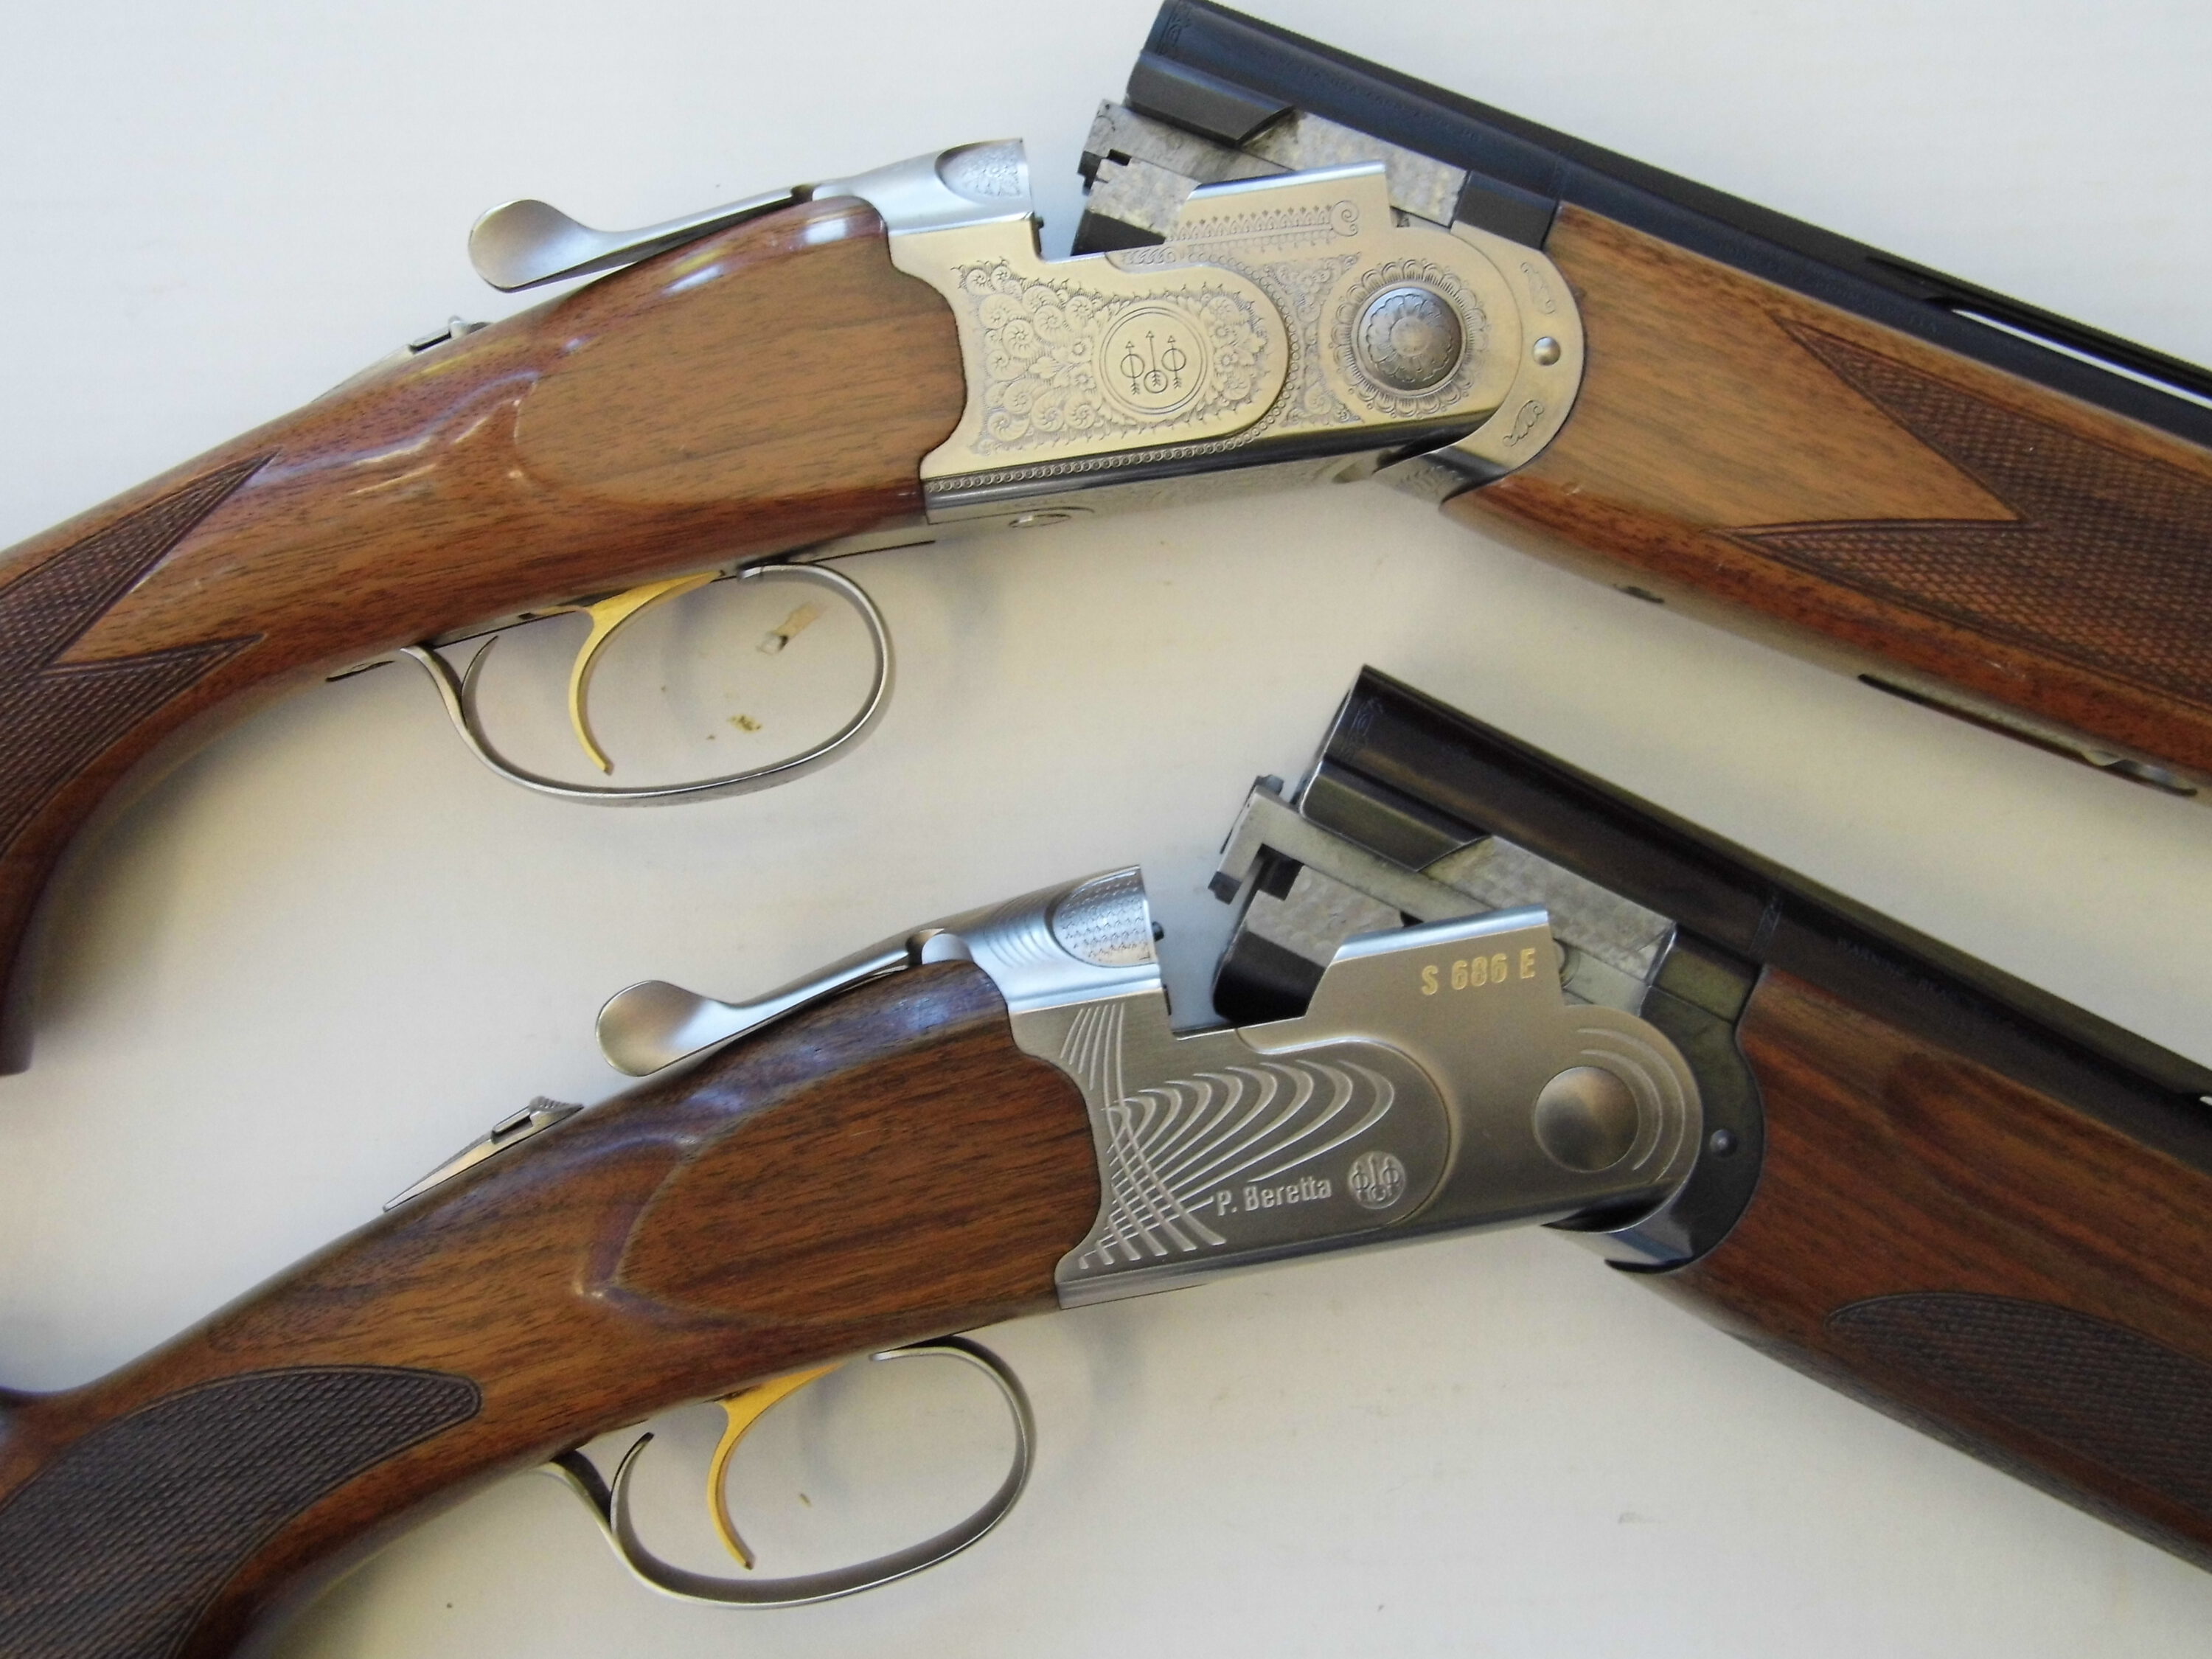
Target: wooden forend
(882, 1169)
(770, 386)
(1785, 467)
(2015, 1274)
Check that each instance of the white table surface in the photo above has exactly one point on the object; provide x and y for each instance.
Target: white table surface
(329, 950)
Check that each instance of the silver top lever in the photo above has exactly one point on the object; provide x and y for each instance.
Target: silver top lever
(652, 1024)
(523, 244)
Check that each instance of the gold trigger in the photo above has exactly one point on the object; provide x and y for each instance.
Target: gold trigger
(608, 615)
(744, 1409)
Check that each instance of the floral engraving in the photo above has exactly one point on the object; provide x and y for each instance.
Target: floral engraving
(1301, 287)
(1046, 348)
(1394, 403)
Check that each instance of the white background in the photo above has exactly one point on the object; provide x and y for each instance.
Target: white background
(329, 950)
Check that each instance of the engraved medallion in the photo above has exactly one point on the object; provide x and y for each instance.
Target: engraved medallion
(1068, 369)
(1154, 361)
(1378, 1180)
(1412, 339)
(1408, 338)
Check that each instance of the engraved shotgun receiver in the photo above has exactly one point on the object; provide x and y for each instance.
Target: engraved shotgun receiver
(1293, 268)
(1468, 988)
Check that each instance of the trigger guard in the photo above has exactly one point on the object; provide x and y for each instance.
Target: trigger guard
(609, 1503)
(457, 692)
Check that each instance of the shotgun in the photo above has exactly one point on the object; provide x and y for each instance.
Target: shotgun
(1293, 268)
(1469, 989)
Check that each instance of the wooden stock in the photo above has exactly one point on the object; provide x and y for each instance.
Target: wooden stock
(1995, 1264)
(770, 386)
(884, 1168)
(1790, 469)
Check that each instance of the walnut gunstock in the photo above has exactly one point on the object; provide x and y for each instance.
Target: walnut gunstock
(885, 1167)
(1948, 531)
(2014, 1267)
(1972, 1205)
(1966, 501)
(1712, 404)
(770, 386)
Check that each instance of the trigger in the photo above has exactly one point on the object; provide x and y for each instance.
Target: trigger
(745, 1410)
(607, 616)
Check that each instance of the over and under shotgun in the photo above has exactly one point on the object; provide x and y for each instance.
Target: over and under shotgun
(1470, 987)
(1293, 268)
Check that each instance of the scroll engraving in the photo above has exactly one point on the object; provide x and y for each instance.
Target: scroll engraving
(1524, 421)
(1301, 287)
(1065, 363)
(1250, 328)
(1539, 290)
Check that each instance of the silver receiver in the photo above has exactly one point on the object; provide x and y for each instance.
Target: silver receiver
(1440, 1079)
(1307, 311)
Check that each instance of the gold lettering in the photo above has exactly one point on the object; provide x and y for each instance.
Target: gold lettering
(1471, 973)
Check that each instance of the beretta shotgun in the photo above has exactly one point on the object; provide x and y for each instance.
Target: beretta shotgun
(1468, 987)
(1293, 267)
